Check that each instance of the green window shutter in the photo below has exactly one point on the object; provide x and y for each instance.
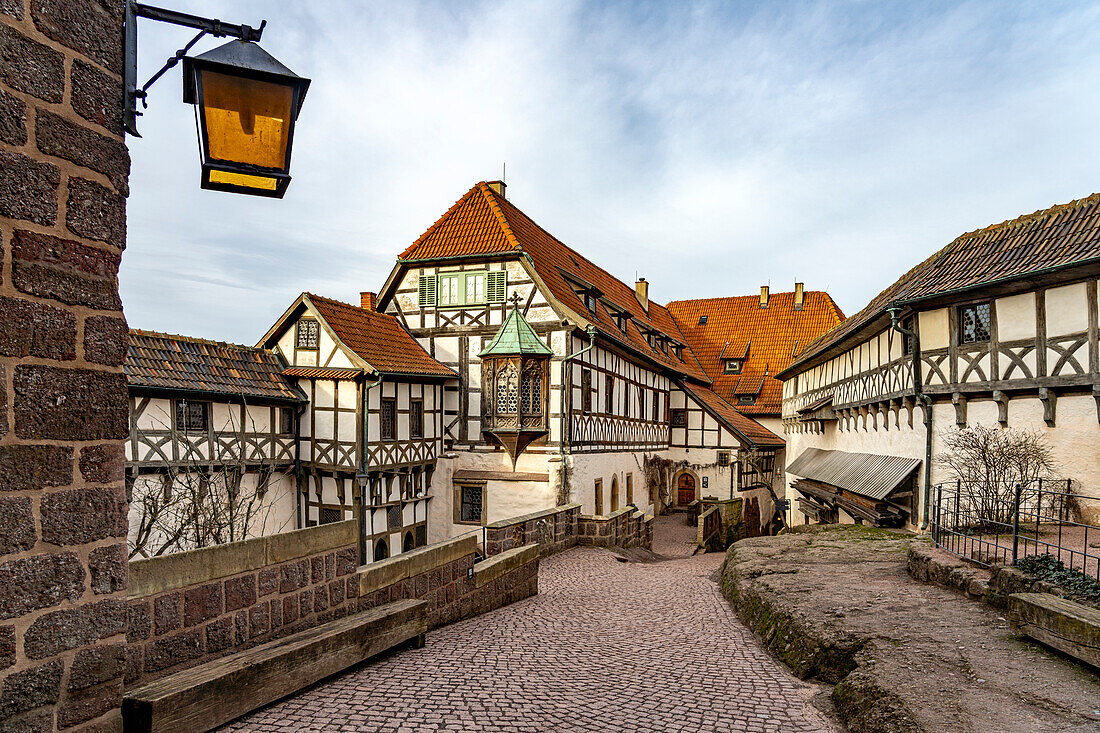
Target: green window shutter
(427, 290)
(427, 293)
(497, 286)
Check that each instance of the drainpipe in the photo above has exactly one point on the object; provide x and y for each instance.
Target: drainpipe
(591, 331)
(896, 325)
(362, 477)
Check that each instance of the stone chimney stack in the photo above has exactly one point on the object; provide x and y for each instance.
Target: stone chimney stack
(368, 300)
(499, 187)
(799, 296)
(764, 296)
(641, 290)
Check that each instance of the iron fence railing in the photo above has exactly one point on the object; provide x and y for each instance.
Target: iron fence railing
(1000, 525)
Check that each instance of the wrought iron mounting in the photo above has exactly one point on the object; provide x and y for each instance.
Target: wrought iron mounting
(205, 26)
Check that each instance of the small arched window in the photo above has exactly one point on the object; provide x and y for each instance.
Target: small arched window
(408, 543)
(507, 389)
(381, 549)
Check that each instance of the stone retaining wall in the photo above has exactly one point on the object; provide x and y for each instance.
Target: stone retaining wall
(563, 527)
(190, 607)
(446, 577)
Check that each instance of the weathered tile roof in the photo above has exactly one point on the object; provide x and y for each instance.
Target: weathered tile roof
(322, 372)
(742, 425)
(168, 362)
(1058, 237)
(378, 339)
(483, 222)
(766, 338)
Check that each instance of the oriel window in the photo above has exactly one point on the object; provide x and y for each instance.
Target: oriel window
(308, 334)
(974, 323)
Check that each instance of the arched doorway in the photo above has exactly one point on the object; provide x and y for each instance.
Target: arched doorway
(615, 493)
(685, 489)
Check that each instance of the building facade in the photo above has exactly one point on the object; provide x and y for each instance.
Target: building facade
(997, 328)
(212, 454)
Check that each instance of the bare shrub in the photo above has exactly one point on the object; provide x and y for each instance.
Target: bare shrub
(989, 462)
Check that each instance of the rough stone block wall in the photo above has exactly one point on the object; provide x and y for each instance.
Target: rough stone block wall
(454, 587)
(63, 406)
(184, 627)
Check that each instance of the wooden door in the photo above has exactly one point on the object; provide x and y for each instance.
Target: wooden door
(685, 489)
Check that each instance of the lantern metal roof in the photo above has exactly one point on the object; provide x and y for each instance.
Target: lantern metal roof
(243, 58)
(516, 337)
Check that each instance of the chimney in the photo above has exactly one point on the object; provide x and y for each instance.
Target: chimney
(499, 187)
(368, 300)
(641, 290)
(763, 296)
(799, 296)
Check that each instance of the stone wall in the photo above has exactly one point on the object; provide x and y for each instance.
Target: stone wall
(557, 529)
(446, 576)
(190, 607)
(63, 413)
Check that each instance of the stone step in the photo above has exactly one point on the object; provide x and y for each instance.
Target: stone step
(204, 697)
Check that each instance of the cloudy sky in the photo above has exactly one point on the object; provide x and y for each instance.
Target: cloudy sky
(709, 147)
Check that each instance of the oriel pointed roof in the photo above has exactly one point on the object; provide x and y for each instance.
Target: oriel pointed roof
(515, 337)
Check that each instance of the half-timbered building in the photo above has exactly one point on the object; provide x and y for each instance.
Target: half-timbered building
(371, 433)
(208, 416)
(626, 398)
(997, 328)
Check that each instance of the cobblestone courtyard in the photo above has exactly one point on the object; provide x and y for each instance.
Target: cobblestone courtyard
(605, 646)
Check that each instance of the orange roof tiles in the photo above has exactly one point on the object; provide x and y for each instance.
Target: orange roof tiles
(770, 336)
(169, 362)
(1058, 237)
(483, 222)
(322, 372)
(378, 339)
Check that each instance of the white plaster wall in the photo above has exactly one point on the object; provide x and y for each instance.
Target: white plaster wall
(933, 329)
(585, 468)
(1016, 317)
(1067, 310)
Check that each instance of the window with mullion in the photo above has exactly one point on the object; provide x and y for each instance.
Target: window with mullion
(975, 323)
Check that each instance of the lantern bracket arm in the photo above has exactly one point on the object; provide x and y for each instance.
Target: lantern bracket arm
(205, 26)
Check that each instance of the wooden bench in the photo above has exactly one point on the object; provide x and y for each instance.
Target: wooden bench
(206, 696)
(1067, 626)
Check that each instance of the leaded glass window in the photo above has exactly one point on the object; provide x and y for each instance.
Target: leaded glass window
(507, 389)
(531, 393)
(974, 323)
(308, 335)
(388, 419)
(190, 416)
(471, 504)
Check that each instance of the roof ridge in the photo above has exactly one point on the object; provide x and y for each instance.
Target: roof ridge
(490, 198)
(1028, 218)
(192, 339)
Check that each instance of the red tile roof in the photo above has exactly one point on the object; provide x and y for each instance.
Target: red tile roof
(741, 425)
(322, 373)
(378, 339)
(1062, 236)
(483, 222)
(169, 362)
(769, 336)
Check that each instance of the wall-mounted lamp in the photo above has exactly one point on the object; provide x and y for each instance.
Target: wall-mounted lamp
(246, 102)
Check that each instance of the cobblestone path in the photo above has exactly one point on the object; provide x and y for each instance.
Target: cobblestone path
(605, 646)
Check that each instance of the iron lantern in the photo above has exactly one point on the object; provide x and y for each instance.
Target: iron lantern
(246, 103)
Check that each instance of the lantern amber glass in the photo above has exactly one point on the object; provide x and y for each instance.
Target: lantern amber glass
(247, 121)
(243, 180)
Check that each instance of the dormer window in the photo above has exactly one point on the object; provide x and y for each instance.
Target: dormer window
(702, 320)
(732, 366)
(748, 399)
(678, 350)
(588, 299)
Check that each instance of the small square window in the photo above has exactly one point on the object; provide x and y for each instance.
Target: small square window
(679, 417)
(387, 419)
(308, 335)
(974, 323)
(746, 399)
(702, 320)
(191, 417)
(732, 366)
(470, 503)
